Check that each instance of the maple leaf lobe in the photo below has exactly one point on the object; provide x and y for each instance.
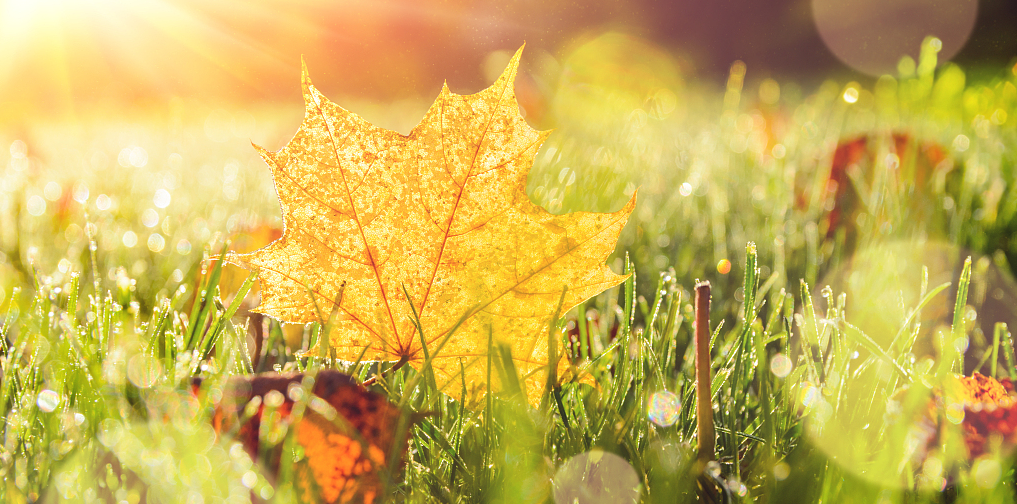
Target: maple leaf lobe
(442, 212)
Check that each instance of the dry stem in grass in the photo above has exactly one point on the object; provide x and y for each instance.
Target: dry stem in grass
(704, 404)
(711, 489)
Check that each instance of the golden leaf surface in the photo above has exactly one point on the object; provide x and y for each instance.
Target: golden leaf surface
(443, 213)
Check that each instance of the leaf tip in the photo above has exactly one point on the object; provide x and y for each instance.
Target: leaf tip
(305, 82)
(509, 75)
(519, 52)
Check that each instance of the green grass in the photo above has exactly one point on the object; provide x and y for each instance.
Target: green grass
(104, 331)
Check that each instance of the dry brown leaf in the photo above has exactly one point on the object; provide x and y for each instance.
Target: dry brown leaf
(442, 212)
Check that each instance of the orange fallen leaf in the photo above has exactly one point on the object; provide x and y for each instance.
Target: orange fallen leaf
(855, 161)
(442, 213)
(348, 434)
(989, 410)
(982, 407)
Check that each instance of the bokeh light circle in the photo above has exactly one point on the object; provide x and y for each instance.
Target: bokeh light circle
(144, 371)
(596, 477)
(36, 205)
(871, 36)
(724, 266)
(156, 242)
(780, 365)
(162, 198)
(48, 400)
(663, 408)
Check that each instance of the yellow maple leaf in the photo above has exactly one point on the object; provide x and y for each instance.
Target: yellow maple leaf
(442, 213)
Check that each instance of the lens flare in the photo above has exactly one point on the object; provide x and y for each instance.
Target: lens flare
(664, 408)
(596, 476)
(871, 36)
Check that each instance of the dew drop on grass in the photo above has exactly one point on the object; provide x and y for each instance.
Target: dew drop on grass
(48, 400)
(664, 408)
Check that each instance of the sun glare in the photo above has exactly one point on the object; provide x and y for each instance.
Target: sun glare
(60, 52)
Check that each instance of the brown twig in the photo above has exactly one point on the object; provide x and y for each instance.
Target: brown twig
(711, 489)
(704, 404)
